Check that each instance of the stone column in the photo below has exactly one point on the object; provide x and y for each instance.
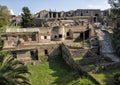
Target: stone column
(48, 15)
(56, 15)
(51, 15)
(83, 38)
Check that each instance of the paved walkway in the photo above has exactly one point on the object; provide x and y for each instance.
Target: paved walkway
(106, 47)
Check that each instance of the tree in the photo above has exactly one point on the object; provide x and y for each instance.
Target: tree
(12, 71)
(114, 3)
(4, 16)
(27, 20)
(115, 18)
(116, 78)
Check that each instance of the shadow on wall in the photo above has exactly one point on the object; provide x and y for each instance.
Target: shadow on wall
(53, 53)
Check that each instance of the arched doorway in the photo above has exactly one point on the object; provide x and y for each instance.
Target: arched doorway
(95, 19)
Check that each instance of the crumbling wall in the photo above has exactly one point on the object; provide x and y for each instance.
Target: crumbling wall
(69, 60)
(23, 55)
(68, 57)
(50, 50)
(90, 58)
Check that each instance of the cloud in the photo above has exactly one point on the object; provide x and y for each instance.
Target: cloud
(98, 7)
(11, 12)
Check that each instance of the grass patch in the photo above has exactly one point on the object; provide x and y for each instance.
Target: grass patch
(77, 59)
(54, 72)
(89, 68)
(84, 44)
(106, 78)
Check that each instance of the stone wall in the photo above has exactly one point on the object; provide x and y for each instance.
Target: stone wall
(50, 50)
(66, 54)
(78, 52)
(23, 55)
(89, 58)
(68, 57)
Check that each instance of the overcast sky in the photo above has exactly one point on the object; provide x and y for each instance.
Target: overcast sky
(58, 5)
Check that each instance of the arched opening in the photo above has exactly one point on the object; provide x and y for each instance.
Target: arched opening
(96, 17)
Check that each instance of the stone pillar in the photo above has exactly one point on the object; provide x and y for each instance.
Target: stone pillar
(83, 39)
(51, 15)
(48, 15)
(56, 15)
(37, 37)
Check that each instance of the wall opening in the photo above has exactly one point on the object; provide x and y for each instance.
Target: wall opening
(34, 37)
(81, 14)
(14, 54)
(96, 15)
(45, 37)
(46, 52)
(59, 15)
(54, 15)
(55, 36)
(82, 23)
(68, 34)
(34, 55)
(25, 38)
(60, 35)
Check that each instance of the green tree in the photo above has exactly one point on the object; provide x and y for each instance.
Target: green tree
(115, 18)
(27, 20)
(4, 16)
(12, 71)
(116, 78)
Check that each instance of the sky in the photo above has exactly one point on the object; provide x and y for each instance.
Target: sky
(55, 5)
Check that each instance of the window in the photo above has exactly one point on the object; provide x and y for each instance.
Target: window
(45, 37)
(60, 35)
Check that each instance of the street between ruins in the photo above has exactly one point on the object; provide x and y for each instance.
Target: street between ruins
(106, 47)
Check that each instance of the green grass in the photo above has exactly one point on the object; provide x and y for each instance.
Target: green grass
(55, 72)
(89, 68)
(106, 78)
(77, 59)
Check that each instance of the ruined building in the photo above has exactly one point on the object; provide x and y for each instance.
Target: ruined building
(30, 44)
